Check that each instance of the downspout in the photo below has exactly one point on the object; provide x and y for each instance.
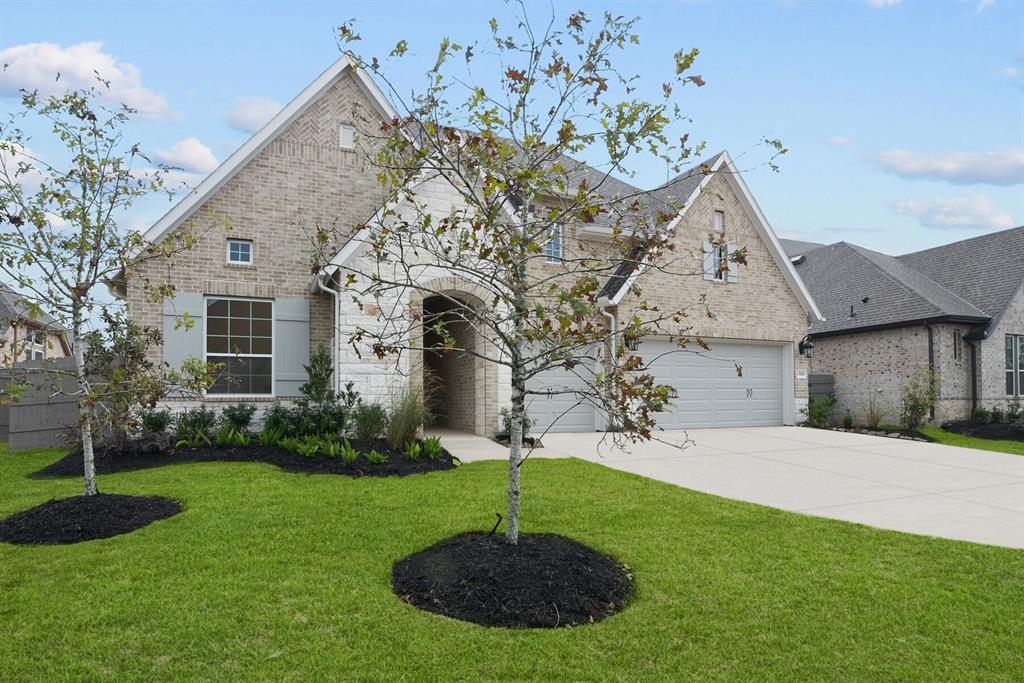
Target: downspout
(931, 363)
(336, 323)
(974, 377)
(605, 303)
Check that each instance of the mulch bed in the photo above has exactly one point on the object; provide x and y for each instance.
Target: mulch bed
(127, 460)
(84, 518)
(545, 581)
(999, 431)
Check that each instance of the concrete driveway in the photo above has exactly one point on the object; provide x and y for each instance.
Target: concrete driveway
(909, 486)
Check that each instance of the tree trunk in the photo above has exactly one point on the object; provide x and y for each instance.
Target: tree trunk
(515, 454)
(84, 411)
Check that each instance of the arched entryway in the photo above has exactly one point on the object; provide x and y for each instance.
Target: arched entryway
(454, 377)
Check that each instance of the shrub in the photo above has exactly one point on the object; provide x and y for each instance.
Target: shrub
(305, 419)
(820, 411)
(271, 436)
(238, 416)
(196, 440)
(412, 451)
(409, 413)
(506, 422)
(376, 457)
(229, 437)
(982, 414)
(331, 449)
(155, 421)
(318, 388)
(432, 447)
(195, 421)
(997, 414)
(307, 447)
(348, 453)
(848, 420)
(370, 421)
(918, 396)
(876, 411)
(1014, 412)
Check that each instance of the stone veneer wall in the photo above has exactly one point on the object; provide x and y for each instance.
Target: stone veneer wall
(992, 359)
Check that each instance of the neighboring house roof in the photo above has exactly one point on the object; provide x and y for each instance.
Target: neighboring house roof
(13, 307)
(795, 248)
(258, 142)
(987, 270)
(972, 281)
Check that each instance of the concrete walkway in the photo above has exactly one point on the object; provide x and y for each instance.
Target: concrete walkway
(909, 486)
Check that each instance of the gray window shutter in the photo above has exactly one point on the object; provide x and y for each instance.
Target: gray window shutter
(291, 345)
(734, 268)
(181, 342)
(709, 261)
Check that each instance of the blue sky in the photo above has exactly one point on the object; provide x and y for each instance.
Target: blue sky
(904, 120)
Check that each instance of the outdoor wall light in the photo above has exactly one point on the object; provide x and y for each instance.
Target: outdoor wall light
(806, 347)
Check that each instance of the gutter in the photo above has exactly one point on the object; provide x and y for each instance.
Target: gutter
(336, 347)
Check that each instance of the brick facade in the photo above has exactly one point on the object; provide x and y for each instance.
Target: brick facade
(992, 358)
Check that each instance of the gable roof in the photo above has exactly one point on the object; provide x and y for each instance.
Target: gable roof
(13, 307)
(683, 191)
(795, 248)
(263, 137)
(860, 289)
(987, 270)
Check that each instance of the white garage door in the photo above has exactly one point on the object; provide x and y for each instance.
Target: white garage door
(559, 412)
(710, 393)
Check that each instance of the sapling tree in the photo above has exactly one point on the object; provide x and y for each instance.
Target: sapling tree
(62, 244)
(500, 122)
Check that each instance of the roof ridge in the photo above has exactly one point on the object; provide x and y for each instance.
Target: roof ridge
(987, 235)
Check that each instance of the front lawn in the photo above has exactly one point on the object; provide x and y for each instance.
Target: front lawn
(270, 575)
(950, 439)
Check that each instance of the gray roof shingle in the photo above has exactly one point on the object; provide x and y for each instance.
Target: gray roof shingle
(13, 307)
(794, 248)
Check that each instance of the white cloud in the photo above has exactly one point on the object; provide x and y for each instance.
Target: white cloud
(251, 113)
(1011, 71)
(189, 155)
(974, 211)
(998, 167)
(983, 5)
(840, 141)
(35, 66)
(879, 4)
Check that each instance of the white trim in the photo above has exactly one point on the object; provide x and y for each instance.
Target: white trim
(273, 347)
(788, 385)
(258, 142)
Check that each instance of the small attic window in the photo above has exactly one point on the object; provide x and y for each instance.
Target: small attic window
(347, 136)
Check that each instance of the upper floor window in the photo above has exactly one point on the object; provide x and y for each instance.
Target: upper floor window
(553, 247)
(240, 251)
(240, 338)
(35, 345)
(347, 136)
(958, 350)
(719, 222)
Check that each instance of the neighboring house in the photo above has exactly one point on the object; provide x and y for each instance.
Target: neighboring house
(24, 336)
(258, 310)
(957, 309)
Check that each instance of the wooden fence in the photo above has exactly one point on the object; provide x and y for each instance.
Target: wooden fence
(820, 386)
(39, 419)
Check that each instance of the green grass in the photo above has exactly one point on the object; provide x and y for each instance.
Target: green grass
(951, 439)
(268, 575)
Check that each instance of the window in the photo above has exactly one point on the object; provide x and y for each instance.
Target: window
(553, 248)
(1015, 365)
(719, 259)
(239, 335)
(347, 136)
(35, 345)
(719, 222)
(958, 341)
(240, 251)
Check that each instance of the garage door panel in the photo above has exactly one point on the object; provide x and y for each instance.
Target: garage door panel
(711, 393)
(571, 414)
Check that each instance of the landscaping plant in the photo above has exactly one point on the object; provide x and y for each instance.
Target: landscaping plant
(820, 411)
(432, 447)
(506, 422)
(848, 420)
(409, 413)
(559, 92)
(376, 457)
(230, 437)
(412, 450)
(155, 422)
(238, 416)
(348, 453)
(198, 420)
(271, 436)
(370, 422)
(875, 411)
(917, 398)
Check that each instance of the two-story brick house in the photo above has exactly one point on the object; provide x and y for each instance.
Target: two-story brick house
(258, 309)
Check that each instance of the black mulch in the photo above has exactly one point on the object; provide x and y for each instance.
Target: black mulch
(127, 460)
(1000, 431)
(545, 581)
(84, 518)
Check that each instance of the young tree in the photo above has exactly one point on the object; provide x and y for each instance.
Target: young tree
(507, 154)
(62, 245)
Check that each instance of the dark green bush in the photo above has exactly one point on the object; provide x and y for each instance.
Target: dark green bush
(996, 414)
(848, 420)
(820, 411)
(369, 422)
(193, 421)
(506, 422)
(982, 414)
(238, 415)
(918, 396)
(154, 421)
